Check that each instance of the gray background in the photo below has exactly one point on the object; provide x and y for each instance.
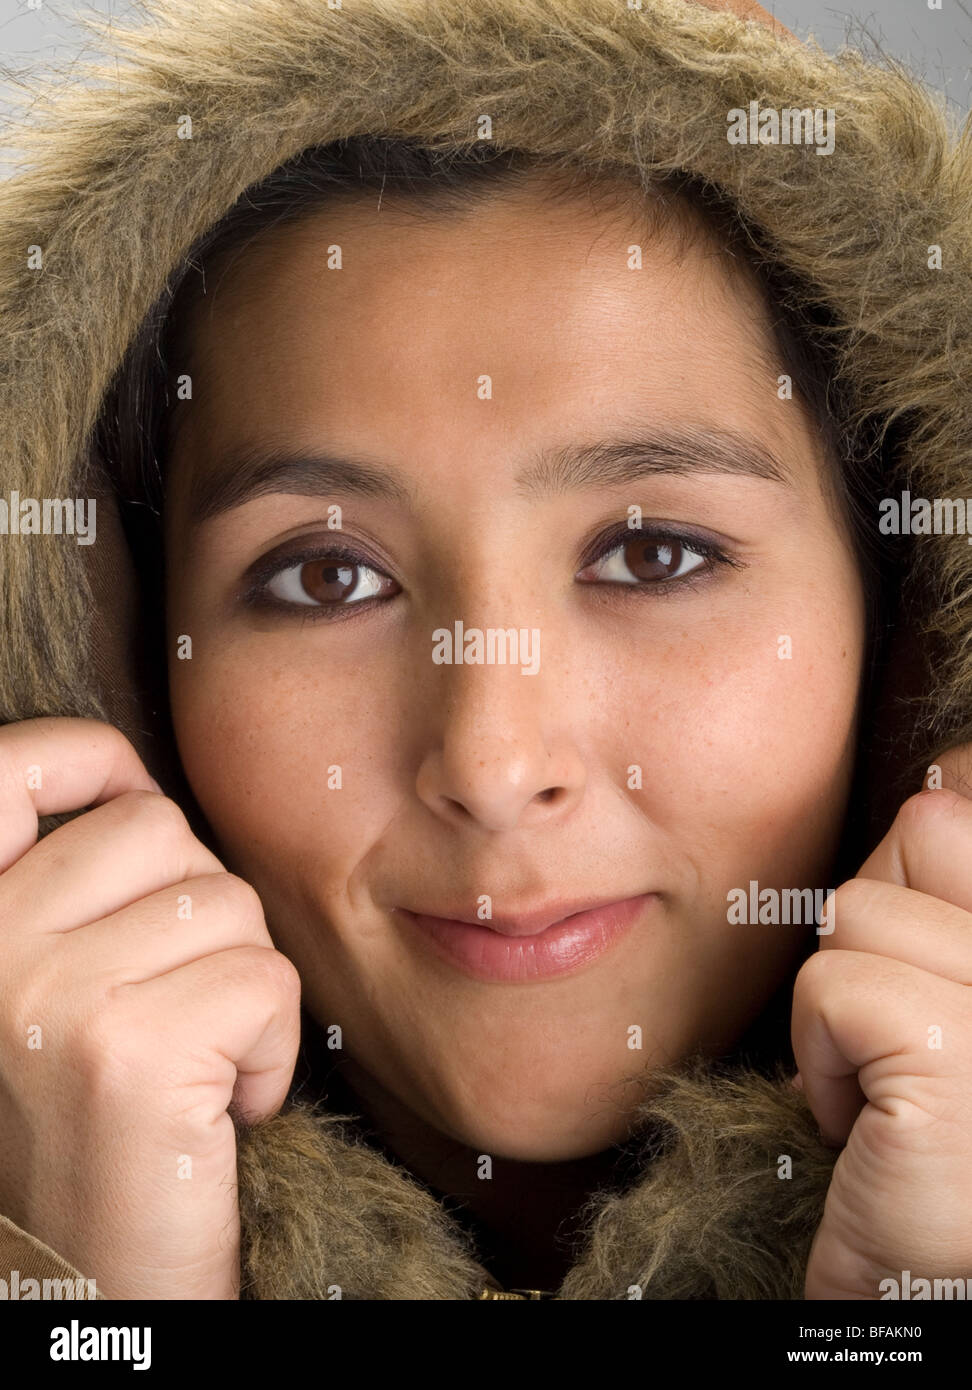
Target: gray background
(936, 44)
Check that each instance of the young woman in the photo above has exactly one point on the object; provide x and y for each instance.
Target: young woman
(489, 569)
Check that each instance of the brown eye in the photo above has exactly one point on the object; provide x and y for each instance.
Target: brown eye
(645, 559)
(327, 582)
(652, 559)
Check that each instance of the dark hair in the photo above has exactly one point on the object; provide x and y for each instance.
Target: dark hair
(134, 428)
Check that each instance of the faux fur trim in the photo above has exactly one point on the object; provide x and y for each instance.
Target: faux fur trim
(731, 1178)
(323, 1215)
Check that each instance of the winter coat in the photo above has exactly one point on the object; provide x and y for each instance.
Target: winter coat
(114, 201)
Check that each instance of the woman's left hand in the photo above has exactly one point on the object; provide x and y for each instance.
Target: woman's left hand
(882, 1036)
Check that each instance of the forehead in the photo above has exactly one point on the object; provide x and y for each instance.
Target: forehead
(533, 250)
(400, 321)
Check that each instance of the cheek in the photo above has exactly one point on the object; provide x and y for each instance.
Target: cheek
(745, 734)
(283, 761)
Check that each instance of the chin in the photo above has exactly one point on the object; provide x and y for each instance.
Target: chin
(511, 1126)
(546, 1144)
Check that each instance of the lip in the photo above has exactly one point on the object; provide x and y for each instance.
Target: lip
(528, 946)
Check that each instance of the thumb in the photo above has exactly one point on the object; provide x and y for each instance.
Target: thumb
(930, 852)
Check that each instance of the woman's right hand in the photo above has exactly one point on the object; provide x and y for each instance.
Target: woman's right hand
(140, 995)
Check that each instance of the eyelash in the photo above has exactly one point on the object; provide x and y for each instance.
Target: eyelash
(256, 593)
(615, 539)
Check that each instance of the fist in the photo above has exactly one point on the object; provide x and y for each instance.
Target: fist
(142, 1007)
(882, 1035)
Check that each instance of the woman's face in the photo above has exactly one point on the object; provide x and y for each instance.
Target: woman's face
(674, 725)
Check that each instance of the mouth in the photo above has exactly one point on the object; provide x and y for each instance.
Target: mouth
(516, 947)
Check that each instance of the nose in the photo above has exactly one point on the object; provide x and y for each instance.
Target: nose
(502, 755)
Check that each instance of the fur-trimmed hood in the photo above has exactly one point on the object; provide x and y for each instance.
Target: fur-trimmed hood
(108, 201)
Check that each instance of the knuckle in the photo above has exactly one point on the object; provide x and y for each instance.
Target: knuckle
(916, 810)
(241, 899)
(111, 734)
(279, 974)
(851, 897)
(108, 1046)
(814, 976)
(920, 813)
(158, 816)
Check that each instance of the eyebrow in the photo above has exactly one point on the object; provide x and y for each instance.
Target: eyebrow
(243, 474)
(682, 449)
(240, 475)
